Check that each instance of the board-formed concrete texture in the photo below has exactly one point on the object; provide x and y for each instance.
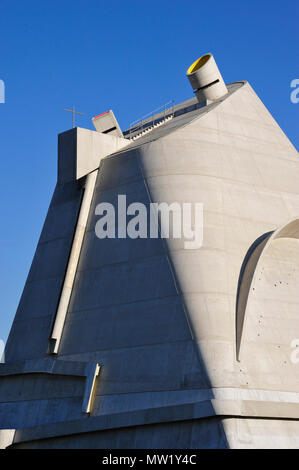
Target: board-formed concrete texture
(161, 346)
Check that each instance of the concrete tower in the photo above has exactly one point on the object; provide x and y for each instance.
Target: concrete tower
(141, 343)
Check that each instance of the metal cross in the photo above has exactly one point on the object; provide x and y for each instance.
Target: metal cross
(74, 112)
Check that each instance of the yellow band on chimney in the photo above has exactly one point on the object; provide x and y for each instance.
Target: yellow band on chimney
(198, 63)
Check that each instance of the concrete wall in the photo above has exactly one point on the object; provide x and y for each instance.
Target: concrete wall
(222, 159)
(183, 435)
(81, 150)
(161, 320)
(237, 161)
(33, 321)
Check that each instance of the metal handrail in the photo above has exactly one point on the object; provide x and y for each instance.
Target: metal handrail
(145, 119)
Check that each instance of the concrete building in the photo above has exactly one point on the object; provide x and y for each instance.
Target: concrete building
(141, 343)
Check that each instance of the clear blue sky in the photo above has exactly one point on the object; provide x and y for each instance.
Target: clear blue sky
(130, 56)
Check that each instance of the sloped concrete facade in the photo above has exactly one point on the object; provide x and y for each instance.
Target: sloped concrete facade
(194, 346)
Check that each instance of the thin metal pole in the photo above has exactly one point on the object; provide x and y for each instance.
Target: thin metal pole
(74, 112)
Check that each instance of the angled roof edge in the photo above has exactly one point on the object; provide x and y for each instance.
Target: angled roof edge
(184, 113)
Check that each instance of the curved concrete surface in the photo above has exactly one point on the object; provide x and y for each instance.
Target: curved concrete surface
(159, 319)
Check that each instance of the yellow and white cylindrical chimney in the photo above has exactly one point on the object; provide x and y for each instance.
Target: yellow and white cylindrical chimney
(206, 80)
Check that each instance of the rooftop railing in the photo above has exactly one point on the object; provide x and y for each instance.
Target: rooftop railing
(152, 117)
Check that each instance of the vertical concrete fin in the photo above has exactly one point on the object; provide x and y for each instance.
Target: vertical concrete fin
(245, 278)
(6, 437)
(250, 270)
(92, 373)
(72, 264)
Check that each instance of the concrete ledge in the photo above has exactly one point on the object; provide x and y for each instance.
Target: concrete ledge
(46, 366)
(205, 409)
(89, 371)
